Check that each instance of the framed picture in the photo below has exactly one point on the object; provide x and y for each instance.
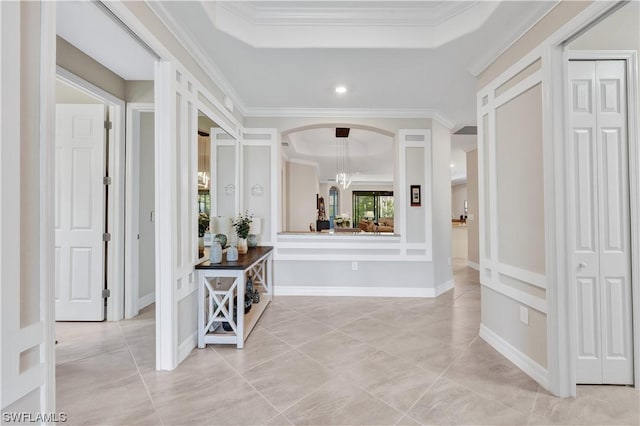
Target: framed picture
(415, 196)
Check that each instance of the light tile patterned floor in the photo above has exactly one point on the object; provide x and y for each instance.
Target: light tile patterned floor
(323, 361)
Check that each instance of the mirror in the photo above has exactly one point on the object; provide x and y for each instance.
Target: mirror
(338, 179)
(216, 168)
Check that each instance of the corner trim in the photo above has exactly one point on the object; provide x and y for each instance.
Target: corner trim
(147, 300)
(443, 288)
(318, 290)
(187, 346)
(519, 359)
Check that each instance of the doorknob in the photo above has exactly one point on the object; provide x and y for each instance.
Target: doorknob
(582, 265)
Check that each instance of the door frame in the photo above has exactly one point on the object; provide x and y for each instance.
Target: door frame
(132, 191)
(630, 59)
(115, 199)
(562, 324)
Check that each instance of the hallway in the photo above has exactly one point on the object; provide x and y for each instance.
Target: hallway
(321, 360)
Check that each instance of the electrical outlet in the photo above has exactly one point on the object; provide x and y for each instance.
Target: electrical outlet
(354, 266)
(524, 315)
(470, 216)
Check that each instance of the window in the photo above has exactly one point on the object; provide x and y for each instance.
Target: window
(334, 203)
(372, 205)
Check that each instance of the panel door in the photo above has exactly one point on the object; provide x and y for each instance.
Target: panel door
(601, 260)
(80, 212)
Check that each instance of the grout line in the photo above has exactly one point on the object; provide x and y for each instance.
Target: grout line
(144, 383)
(250, 385)
(533, 405)
(354, 383)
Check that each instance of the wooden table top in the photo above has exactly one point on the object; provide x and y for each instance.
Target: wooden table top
(243, 262)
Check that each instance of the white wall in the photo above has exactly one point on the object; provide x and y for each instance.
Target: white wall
(302, 188)
(458, 197)
(146, 241)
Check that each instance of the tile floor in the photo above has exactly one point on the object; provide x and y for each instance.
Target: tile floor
(323, 361)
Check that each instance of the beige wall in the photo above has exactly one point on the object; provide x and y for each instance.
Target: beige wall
(66, 94)
(618, 31)
(75, 61)
(520, 182)
(138, 91)
(501, 315)
(458, 197)
(520, 174)
(302, 188)
(473, 213)
(558, 16)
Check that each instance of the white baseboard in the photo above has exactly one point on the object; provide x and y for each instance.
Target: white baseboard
(523, 362)
(280, 290)
(186, 347)
(145, 301)
(473, 265)
(443, 288)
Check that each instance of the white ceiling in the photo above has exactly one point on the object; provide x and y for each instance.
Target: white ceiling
(415, 57)
(370, 154)
(88, 28)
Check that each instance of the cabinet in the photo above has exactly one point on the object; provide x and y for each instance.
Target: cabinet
(221, 290)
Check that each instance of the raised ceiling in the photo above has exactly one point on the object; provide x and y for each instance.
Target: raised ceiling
(397, 58)
(348, 24)
(370, 155)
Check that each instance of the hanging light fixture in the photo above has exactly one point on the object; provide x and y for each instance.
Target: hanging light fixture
(343, 173)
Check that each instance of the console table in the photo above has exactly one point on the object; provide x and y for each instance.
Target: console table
(221, 289)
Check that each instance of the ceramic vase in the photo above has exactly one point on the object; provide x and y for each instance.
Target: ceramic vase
(242, 246)
(232, 253)
(215, 252)
(252, 241)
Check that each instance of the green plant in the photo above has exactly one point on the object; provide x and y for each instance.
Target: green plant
(243, 224)
(203, 224)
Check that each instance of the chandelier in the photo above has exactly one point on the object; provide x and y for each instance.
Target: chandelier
(343, 173)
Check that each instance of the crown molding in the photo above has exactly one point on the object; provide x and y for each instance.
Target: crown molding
(497, 49)
(198, 55)
(353, 113)
(257, 14)
(368, 26)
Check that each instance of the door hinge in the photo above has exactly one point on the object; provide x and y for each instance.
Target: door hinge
(108, 125)
(106, 180)
(106, 237)
(106, 293)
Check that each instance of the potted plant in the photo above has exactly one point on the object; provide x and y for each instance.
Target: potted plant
(242, 224)
(203, 226)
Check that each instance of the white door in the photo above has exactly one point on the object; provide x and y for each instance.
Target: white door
(601, 243)
(80, 212)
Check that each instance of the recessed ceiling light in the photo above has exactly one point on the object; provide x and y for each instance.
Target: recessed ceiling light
(451, 165)
(341, 89)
